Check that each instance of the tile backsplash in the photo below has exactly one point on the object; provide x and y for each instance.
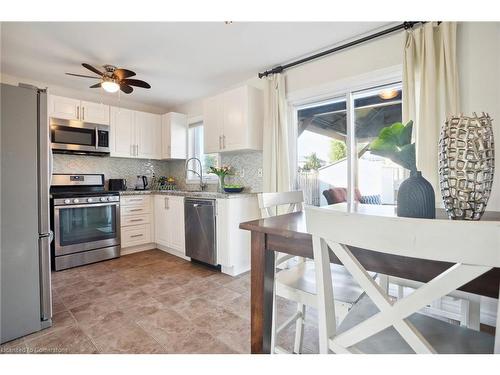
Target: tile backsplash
(111, 167)
(246, 166)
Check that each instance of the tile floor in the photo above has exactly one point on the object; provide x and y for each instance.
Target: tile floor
(152, 302)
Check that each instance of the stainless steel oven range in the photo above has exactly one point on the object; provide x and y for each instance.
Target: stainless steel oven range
(85, 220)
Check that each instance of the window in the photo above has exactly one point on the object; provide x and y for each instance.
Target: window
(195, 150)
(332, 147)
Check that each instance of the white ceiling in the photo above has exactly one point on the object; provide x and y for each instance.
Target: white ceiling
(181, 60)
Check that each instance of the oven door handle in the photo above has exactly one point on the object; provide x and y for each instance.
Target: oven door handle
(87, 205)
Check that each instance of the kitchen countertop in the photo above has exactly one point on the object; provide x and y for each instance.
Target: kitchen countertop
(187, 193)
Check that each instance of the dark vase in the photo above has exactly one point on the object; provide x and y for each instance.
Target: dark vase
(416, 197)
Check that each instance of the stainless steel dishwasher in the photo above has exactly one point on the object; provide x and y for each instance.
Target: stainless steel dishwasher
(200, 225)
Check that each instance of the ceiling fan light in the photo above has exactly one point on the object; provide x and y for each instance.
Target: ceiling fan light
(388, 94)
(110, 86)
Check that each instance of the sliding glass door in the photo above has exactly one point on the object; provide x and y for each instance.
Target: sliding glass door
(333, 157)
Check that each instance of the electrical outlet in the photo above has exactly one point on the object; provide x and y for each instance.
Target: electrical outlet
(259, 172)
(241, 173)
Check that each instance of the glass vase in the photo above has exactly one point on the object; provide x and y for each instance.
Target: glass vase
(221, 184)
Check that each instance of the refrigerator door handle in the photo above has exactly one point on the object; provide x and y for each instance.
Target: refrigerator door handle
(44, 165)
(45, 290)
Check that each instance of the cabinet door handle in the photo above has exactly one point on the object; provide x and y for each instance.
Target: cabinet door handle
(137, 235)
(78, 112)
(136, 150)
(168, 204)
(135, 209)
(134, 220)
(135, 200)
(220, 142)
(83, 113)
(165, 203)
(223, 141)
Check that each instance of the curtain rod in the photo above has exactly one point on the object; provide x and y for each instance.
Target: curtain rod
(281, 68)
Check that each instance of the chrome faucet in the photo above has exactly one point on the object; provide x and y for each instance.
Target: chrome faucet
(203, 185)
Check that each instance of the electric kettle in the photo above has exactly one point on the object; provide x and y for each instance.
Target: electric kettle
(141, 183)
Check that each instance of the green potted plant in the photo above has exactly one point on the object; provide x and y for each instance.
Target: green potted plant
(221, 172)
(415, 195)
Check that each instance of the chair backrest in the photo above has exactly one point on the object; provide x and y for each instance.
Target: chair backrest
(474, 247)
(432, 239)
(292, 201)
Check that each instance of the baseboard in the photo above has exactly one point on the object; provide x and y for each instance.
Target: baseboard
(172, 251)
(137, 249)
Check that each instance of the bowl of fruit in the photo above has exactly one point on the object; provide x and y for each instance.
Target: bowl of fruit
(233, 188)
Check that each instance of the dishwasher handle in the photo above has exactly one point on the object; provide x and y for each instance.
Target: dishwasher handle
(199, 202)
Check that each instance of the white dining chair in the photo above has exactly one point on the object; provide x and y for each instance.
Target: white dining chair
(378, 323)
(297, 281)
(462, 307)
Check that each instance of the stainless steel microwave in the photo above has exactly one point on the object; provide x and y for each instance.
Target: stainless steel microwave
(78, 137)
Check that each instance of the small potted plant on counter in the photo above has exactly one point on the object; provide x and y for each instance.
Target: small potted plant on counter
(221, 172)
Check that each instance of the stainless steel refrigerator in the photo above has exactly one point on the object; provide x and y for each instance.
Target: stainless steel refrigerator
(25, 222)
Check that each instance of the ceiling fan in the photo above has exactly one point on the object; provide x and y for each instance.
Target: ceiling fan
(114, 79)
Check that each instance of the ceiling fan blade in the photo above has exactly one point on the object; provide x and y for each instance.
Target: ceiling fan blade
(81, 75)
(124, 73)
(136, 82)
(126, 88)
(92, 69)
(96, 85)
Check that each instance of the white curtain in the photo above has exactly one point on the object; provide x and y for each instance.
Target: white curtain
(276, 173)
(430, 90)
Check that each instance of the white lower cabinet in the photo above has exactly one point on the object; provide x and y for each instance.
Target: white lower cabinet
(136, 235)
(233, 243)
(169, 222)
(135, 221)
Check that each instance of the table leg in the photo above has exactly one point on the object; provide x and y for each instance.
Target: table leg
(497, 328)
(262, 281)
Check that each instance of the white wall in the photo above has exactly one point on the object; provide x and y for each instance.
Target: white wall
(378, 54)
(94, 95)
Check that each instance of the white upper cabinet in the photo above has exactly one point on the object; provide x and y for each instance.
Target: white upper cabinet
(212, 124)
(135, 134)
(148, 135)
(74, 109)
(174, 136)
(233, 120)
(65, 108)
(122, 131)
(94, 112)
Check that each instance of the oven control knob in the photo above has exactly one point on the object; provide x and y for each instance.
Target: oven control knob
(90, 200)
(104, 199)
(67, 201)
(76, 200)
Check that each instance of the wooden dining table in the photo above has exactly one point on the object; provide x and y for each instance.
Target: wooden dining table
(288, 234)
